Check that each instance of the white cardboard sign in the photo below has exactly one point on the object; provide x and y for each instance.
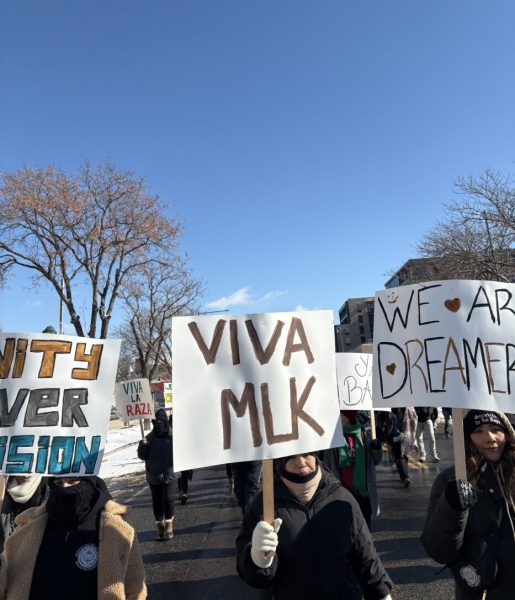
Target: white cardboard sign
(354, 378)
(445, 343)
(252, 387)
(55, 402)
(134, 399)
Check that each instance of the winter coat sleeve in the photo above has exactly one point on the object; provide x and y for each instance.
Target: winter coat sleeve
(365, 561)
(444, 529)
(376, 451)
(135, 588)
(143, 450)
(247, 570)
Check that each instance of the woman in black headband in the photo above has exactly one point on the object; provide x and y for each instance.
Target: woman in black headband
(470, 524)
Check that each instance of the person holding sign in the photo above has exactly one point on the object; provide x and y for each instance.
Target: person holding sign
(78, 545)
(354, 464)
(157, 452)
(470, 524)
(319, 546)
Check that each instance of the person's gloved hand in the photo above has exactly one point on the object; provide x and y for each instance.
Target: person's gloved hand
(375, 444)
(264, 543)
(460, 494)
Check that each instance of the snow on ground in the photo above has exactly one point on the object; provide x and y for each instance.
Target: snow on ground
(120, 456)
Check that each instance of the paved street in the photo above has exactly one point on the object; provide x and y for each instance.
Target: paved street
(199, 562)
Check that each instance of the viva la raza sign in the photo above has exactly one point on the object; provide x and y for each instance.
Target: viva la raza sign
(55, 401)
(253, 387)
(445, 343)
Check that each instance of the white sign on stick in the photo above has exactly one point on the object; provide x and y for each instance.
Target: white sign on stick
(55, 402)
(134, 399)
(446, 343)
(253, 387)
(354, 377)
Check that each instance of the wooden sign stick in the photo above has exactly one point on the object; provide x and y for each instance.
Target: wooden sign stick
(372, 424)
(141, 428)
(458, 440)
(268, 490)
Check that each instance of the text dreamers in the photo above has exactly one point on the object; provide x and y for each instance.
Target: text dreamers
(55, 396)
(448, 343)
(250, 385)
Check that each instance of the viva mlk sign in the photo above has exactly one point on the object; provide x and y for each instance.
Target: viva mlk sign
(134, 399)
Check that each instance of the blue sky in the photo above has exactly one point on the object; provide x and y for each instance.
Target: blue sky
(306, 146)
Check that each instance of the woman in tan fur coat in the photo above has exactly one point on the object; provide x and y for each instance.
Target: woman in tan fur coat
(79, 545)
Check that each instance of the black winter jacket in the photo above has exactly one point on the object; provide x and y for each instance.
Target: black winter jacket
(451, 534)
(424, 413)
(325, 548)
(158, 456)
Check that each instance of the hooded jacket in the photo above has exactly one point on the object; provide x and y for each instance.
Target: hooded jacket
(325, 547)
(120, 574)
(450, 535)
(157, 452)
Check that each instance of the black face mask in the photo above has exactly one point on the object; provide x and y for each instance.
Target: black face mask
(69, 506)
(161, 427)
(296, 478)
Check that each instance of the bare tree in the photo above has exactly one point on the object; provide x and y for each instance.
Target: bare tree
(93, 229)
(159, 293)
(476, 238)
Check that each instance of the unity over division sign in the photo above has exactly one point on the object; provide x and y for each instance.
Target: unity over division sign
(446, 343)
(55, 401)
(253, 387)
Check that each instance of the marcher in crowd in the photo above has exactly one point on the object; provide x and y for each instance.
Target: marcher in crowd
(408, 425)
(183, 485)
(246, 476)
(319, 546)
(447, 416)
(470, 524)
(20, 493)
(355, 463)
(425, 415)
(157, 452)
(77, 545)
(393, 436)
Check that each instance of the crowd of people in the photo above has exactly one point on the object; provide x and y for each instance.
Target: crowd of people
(70, 539)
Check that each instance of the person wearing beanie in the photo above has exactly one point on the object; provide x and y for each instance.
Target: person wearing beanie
(20, 493)
(78, 545)
(470, 524)
(319, 545)
(157, 452)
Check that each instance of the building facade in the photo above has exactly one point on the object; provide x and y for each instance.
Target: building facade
(356, 328)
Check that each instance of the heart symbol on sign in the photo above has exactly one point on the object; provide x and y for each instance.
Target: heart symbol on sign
(391, 368)
(453, 305)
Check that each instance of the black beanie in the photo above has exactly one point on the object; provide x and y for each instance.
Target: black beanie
(475, 418)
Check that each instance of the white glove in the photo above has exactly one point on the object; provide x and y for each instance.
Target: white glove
(264, 543)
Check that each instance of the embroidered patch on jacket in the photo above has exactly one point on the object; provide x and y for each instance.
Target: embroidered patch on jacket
(86, 557)
(470, 576)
